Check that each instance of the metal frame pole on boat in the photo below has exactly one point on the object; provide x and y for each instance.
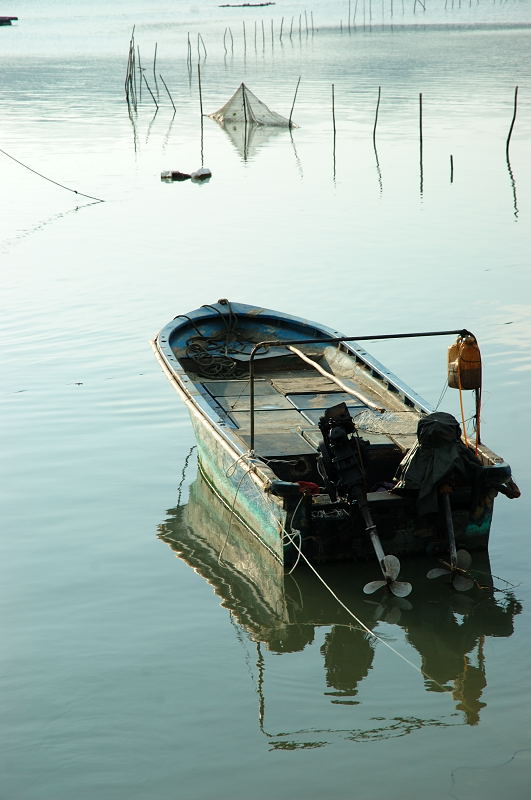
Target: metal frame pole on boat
(332, 340)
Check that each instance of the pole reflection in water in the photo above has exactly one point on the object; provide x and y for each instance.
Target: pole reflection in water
(285, 612)
(513, 186)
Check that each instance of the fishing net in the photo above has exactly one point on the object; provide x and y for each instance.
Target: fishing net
(245, 107)
(391, 423)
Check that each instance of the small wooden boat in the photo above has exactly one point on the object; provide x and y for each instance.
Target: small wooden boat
(312, 444)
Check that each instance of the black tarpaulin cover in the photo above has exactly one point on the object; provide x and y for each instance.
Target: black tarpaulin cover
(439, 455)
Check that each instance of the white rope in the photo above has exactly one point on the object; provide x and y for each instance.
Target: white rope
(333, 378)
(359, 621)
(299, 551)
(232, 515)
(285, 533)
(229, 472)
(300, 555)
(231, 469)
(443, 392)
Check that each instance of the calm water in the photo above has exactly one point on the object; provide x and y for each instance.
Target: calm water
(127, 670)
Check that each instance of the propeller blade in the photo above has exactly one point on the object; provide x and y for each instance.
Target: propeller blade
(373, 586)
(463, 559)
(400, 588)
(461, 583)
(436, 572)
(391, 567)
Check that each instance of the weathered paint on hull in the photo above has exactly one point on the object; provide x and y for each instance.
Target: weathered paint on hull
(261, 512)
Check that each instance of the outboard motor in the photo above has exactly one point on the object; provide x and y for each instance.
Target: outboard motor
(340, 463)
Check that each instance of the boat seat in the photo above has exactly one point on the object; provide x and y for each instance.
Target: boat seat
(283, 444)
(262, 402)
(239, 388)
(269, 420)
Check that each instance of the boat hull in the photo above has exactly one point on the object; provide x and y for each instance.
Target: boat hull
(247, 438)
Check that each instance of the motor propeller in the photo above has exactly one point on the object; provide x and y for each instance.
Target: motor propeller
(390, 566)
(460, 560)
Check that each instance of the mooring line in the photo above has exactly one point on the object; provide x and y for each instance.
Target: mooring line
(231, 469)
(68, 189)
(300, 555)
(361, 623)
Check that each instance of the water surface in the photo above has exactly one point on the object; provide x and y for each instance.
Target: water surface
(125, 673)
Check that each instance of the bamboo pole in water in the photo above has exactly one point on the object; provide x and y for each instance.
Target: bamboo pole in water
(149, 90)
(200, 40)
(168, 91)
(154, 67)
(189, 55)
(293, 104)
(200, 92)
(200, 109)
(512, 121)
(376, 116)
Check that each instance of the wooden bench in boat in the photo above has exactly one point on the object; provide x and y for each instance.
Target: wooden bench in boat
(287, 412)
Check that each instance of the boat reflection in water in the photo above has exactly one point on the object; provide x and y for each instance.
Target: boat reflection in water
(284, 612)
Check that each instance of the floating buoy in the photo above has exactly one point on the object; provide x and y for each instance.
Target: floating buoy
(464, 364)
(200, 175)
(173, 175)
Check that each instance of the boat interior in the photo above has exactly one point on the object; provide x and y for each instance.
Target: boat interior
(291, 388)
(288, 405)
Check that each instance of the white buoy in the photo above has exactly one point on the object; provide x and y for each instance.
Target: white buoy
(203, 174)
